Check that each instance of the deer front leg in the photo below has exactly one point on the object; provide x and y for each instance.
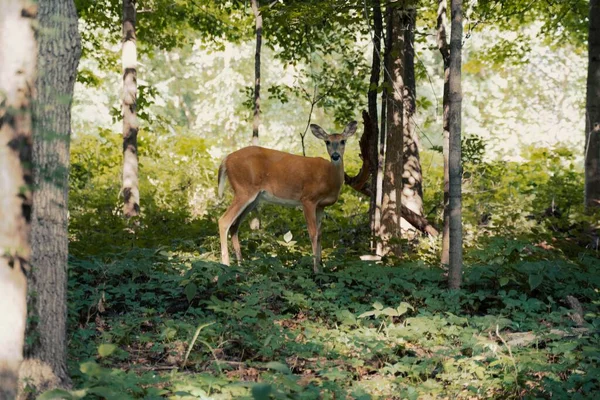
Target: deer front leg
(310, 213)
(319, 218)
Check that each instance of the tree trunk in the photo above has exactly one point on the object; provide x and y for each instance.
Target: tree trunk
(259, 28)
(385, 94)
(374, 205)
(390, 232)
(255, 222)
(18, 53)
(59, 49)
(454, 162)
(131, 191)
(412, 178)
(445, 50)
(592, 121)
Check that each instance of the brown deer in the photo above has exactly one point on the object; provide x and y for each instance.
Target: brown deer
(259, 175)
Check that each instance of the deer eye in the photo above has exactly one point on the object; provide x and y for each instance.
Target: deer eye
(327, 142)
(343, 142)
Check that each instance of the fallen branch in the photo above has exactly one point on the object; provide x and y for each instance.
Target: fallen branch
(524, 339)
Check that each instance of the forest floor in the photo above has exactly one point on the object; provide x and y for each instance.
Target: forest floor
(156, 323)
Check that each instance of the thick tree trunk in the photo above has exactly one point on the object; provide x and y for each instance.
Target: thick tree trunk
(131, 191)
(390, 232)
(259, 28)
(454, 159)
(59, 49)
(412, 178)
(18, 55)
(445, 50)
(592, 121)
(375, 203)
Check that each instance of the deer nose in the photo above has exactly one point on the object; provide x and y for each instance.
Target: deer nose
(335, 156)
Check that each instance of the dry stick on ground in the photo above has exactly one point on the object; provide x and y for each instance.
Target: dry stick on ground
(359, 182)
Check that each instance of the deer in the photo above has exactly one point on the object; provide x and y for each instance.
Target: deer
(257, 174)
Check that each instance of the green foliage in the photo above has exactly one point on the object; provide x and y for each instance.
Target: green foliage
(358, 328)
(175, 188)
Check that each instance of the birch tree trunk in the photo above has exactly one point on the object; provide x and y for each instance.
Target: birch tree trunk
(592, 121)
(59, 49)
(445, 51)
(377, 166)
(131, 191)
(18, 55)
(454, 158)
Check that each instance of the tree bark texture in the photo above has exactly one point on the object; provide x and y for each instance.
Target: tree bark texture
(442, 42)
(412, 178)
(18, 55)
(259, 27)
(592, 121)
(391, 207)
(454, 159)
(374, 207)
(59, 49)
(380, 152)
(131, 191)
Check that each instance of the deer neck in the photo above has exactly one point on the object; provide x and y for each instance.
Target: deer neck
(338, 168)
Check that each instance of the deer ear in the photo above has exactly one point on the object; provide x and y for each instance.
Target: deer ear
(350, 129)
(318, 132)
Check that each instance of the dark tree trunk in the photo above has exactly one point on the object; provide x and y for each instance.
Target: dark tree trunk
(445, 50)
(391, 206)
(592, 122)
(259, 28)
(412, 181)
(59, 49)
(454, 162)
(18, 55)
(131, 191)
(374, 205)
(255, 222)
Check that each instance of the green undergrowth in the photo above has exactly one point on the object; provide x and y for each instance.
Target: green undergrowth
(156, 323)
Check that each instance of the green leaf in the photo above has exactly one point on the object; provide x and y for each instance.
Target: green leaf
(390, 312)
(91, 368)
(377, 305)
(261, 391)
(279, 367)
(404, 307)
(63, 394)
(366, 314)
(504, 281)
(106, 349)
(535, 280)
(288, 237)
(190, 291)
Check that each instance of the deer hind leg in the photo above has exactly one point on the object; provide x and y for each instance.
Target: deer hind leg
(233, 230)
(310, 213)
(237, 207)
